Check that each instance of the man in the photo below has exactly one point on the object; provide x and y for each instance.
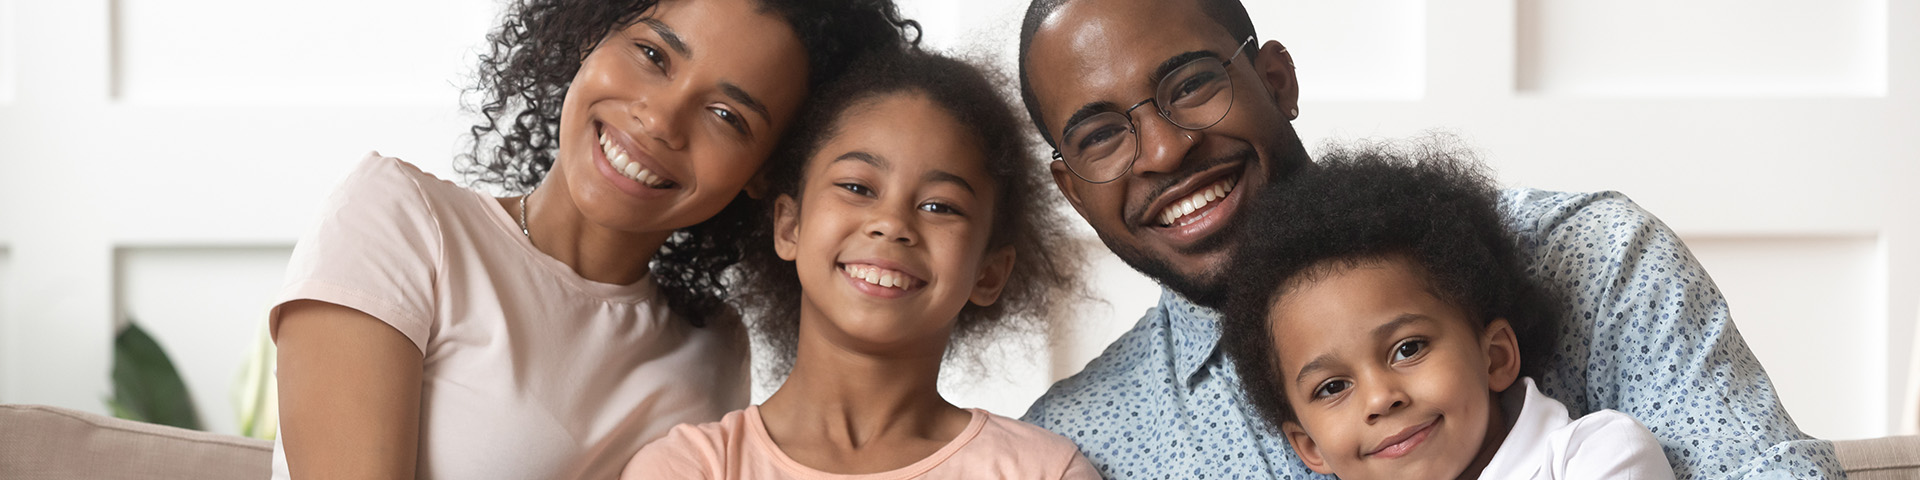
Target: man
(1167, 113)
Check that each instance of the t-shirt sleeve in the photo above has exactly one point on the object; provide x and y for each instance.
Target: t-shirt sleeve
(1080, 469)
(1608, 445)
(685, 453)
(1644, 331)
(374, 249)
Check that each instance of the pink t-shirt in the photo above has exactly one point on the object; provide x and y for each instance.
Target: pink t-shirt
(738, 447)
(529, 370)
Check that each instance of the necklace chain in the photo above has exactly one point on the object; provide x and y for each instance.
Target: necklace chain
(523, 216)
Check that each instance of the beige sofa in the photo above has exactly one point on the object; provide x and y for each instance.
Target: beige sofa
(40, 442)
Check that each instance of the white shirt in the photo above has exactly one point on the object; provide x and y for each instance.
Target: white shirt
(1545, 443)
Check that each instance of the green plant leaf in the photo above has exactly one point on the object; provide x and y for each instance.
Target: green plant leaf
(146, 387)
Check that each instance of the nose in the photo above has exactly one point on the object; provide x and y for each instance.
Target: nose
(1383, 397)
(1163, 145)
(892, 224)
(659, 117)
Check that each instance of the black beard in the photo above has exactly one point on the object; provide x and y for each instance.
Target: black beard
(1208, 288)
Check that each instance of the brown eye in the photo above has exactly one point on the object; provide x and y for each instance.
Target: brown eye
(1409, 349)
(1331, 388)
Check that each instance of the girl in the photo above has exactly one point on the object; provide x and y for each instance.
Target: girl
(427, 330)
(915, 219)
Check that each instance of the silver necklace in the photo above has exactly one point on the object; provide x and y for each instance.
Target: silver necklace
(523, 215)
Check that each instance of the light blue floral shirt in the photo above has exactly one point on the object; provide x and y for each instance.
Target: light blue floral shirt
(1646, 334)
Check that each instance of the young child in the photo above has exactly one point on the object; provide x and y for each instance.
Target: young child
(909, 217)
(1383, 322)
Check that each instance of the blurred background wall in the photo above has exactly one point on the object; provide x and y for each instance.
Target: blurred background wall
(159, 157)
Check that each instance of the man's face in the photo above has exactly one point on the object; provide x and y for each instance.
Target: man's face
(1172, 215)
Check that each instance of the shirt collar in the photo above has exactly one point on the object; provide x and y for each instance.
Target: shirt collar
(1194, 333)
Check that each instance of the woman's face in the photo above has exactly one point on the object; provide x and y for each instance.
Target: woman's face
(669, 117)
(890, 237)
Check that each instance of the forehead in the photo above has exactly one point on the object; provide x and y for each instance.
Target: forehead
(913, 135)
(1342, 305)
(1106, 50)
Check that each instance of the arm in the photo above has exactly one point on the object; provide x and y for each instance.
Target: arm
(1646, 332)
(349, 393)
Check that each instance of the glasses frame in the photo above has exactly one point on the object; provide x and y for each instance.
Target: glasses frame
(1133, 128)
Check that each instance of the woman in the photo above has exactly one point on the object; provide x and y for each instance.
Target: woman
(427, 330)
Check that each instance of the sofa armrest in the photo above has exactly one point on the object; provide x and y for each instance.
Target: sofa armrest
(38, 441)
(1880, 458)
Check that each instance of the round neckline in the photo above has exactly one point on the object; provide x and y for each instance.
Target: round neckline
(639, 291)
(758, 428)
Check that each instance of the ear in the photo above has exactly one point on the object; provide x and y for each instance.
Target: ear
(1503, 354)
(994, 271)
(786, 227)
(756, 187)
(1303, 445)
(1275, 66)
(1066, 181)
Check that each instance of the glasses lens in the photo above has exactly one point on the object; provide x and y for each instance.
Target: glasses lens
(1197, 94)
(1100, 147)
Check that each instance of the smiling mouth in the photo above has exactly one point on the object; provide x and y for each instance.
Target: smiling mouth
(1182, 212)
(882, 277)
(617, 156)
(1401, 443)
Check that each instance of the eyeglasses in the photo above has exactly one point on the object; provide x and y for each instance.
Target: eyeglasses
(1101, 148)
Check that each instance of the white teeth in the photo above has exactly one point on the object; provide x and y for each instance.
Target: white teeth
(632, 169)
(878, 276)
(1195, 202)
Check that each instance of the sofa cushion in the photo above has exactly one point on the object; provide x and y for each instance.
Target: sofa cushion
(38, 441)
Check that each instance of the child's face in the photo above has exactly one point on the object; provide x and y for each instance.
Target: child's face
(890, 234)
(1387, 380)
(668, 118)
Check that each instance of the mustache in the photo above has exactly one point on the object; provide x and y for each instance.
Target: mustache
(1187, 169)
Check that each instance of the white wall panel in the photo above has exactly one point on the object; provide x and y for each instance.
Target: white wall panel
(1709, 48)
(247, 52)
(205, 305)
(6, 324)
(1811, 309)
(1353, 50)
(7, 41)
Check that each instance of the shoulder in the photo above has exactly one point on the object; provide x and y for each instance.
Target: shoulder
(690, 451)
(1537, 214)
(382, 180)
(1131, 366)
(1014, 439)
(1609, 444)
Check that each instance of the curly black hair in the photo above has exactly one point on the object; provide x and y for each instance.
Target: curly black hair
(1046, 274)
(532, 59)
(1432, 205)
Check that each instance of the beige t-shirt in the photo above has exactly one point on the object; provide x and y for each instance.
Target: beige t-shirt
(738, 447)
(529, 371)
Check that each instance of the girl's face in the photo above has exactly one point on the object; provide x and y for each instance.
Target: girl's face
(668, 118)
(890, 238)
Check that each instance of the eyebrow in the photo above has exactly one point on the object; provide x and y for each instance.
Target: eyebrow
(671, 37)
(878, 162)
(947, 177)
(1174, 62)
(1380, 334)
(1153, 79)
(740, 95)
(1088, 110)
